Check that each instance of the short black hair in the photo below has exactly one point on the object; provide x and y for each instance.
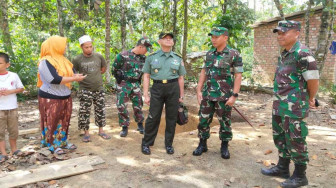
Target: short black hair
(5, 56)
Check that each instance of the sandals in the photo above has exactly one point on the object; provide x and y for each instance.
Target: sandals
(86, 138)
(59, 151)
(104, 136)
(3, 158)
(18, 153)
(70, 147)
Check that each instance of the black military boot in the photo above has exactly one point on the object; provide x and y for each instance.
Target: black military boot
(298, 178)
(202, 147)
(140, 128)
(280, 170)
(124, 131)
(225, 150)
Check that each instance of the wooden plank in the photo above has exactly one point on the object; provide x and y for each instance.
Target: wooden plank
(50, 171)
(29, 131)
(43, 174)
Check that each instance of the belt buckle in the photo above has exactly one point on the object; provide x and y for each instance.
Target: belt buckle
(164, 81)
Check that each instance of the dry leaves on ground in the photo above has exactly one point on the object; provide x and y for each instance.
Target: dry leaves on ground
(314, 157)
(330, 155)
(268, 152)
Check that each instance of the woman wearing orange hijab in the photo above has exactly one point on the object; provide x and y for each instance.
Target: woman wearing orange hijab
(55, 75)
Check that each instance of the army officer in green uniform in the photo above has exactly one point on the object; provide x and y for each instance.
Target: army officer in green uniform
(166, 69)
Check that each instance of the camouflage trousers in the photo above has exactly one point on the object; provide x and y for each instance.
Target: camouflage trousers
(129, 91)
(289, 135)
(86, 98)
(206, 112)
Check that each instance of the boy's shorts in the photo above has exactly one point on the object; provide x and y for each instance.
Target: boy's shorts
(9, 120)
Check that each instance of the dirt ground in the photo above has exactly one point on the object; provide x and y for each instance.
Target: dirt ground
(126, 166)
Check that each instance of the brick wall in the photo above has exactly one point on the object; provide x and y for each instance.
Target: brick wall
(266, 49)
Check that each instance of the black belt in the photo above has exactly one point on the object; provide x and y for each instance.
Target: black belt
(132, 80)
(165, 81)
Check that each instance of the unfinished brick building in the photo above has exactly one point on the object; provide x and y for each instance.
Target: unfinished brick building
(266, 48)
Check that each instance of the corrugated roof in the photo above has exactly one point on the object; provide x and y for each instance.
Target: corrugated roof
(294, 15)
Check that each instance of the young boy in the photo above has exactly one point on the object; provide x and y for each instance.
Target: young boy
(10, 84)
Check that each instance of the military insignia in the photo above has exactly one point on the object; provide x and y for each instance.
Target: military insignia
(156, 71)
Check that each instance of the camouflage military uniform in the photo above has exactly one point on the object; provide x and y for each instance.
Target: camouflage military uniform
(291, 105)
(218, 87)
(129, 89)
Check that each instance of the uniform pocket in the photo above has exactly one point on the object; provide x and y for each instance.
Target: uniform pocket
(155, 68)
(174, 69)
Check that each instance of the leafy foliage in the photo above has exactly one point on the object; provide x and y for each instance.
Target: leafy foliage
(237, 19)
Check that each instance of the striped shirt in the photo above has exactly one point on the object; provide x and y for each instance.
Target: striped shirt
(51, 82)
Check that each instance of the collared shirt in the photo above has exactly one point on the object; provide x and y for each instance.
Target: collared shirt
(295, 67)
(219, 67)
(164, 65)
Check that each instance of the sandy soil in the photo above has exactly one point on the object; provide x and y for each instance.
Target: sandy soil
(126, 166)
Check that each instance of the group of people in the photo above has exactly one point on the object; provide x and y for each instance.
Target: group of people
(295, 86)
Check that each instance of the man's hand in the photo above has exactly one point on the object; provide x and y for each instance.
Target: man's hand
(312, 103)
(180, 100)
(147, 99)
(231, 101)
(199, 97)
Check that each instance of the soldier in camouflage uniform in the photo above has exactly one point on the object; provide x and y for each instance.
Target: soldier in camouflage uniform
(217, 90)
(127, 68)
(295, 86)
(91, 90)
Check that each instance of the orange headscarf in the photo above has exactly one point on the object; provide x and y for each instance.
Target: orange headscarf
(53, 50)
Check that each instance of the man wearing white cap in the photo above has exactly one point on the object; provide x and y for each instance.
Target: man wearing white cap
(91, 90)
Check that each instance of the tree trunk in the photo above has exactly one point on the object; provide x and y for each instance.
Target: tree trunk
(60, 18)
(81, 11)
(322, 42)
(175, 22)
(307, 26)
(6, 37)
(254, 6)
(279, 7)
(107, 39)
(185, 33)
(223, 5)
(123, 25)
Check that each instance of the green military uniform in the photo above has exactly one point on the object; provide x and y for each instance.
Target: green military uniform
(290, 106)
(218, 88)
(164, 69)
(127, 68)
(129, 89)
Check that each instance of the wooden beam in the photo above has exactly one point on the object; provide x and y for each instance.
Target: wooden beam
(50, 171)
(29, 131)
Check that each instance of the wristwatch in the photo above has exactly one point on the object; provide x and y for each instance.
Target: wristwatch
(235, 94)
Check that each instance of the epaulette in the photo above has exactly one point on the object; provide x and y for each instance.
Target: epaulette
(179, 55)
(152, 53)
